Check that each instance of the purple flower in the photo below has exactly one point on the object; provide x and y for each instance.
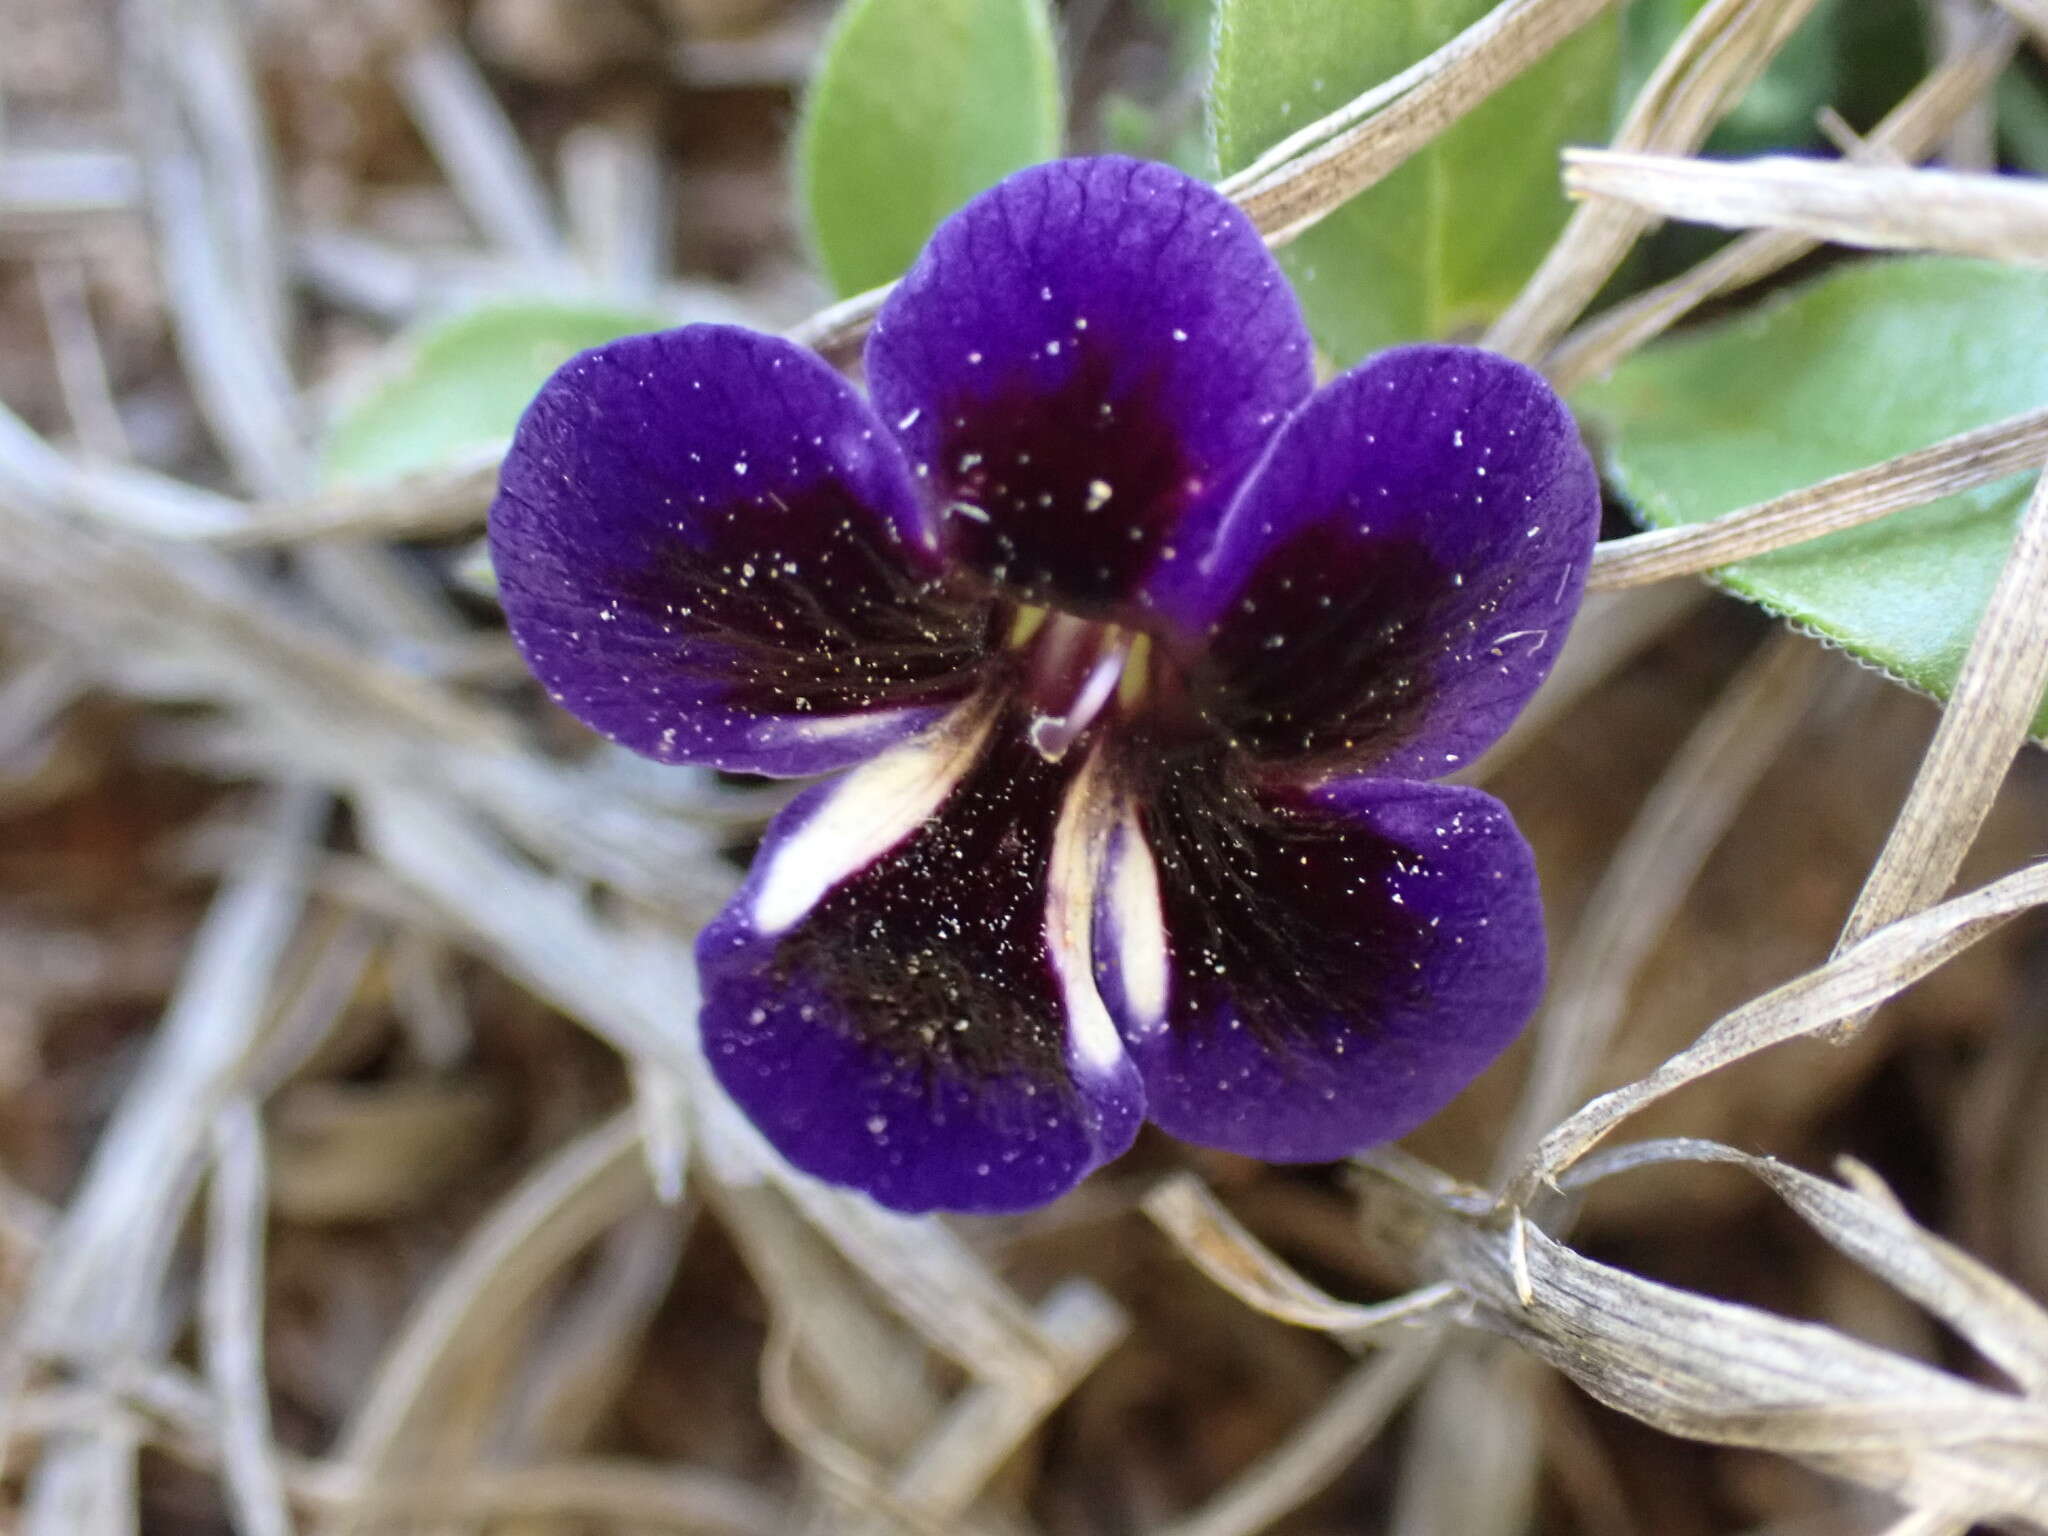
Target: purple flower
(1141, 653)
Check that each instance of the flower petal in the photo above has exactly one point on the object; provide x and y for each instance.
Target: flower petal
(1302, 973)
(1085, 358)
(709, 550)
(1397, 577)
(900, 995)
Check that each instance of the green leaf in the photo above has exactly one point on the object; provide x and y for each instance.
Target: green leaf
(1442, 245)
(1874, 360)
(459, 385)
(917, 106)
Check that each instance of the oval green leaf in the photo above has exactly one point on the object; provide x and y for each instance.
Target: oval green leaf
(1872, 361)
(1441, 246)
(456, 387)
(918, 105)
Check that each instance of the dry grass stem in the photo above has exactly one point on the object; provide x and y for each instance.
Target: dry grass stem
(1330, 161)
(231, 1305)
(2001, 218)
(1328, 1440)
(617, 1493)
(57, 189)
(1649, 875)
(1866, 1223)
(210, 194)
(1712, 1370)
(1908, 132)
(1222, 1249)
(96, 1301)
(948, 1470)
(1860, 977)
(1959, 463)
(479, 150)
(2033, 14)
(81, 362)
(1971, 144)
(487, 1288)
(1920, 1523)
(95, 1296)
(430, 504)
(1716, 58)
(1997, 695)
(1472, 1462)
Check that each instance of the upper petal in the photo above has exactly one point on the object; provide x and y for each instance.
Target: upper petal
(1085, 358)
(1303, 973)
(709, 550)
(900, 995)
(1397, 577)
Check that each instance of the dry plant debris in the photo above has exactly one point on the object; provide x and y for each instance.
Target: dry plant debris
(357, 1168)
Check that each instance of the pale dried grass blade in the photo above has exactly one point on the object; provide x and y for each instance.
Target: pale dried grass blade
(614, 1493)
(502, 1268)
(1296, 183)
(317, 997)
(613, 193)
(1955, 464)
(1971, 143)
(1220, 1247)
(96, 1294)
(931, 1279)
(1920, 1523)
(231, 1309)
(1865, 974)
(1320, 1447)
(477, 146)
(120, 594)
(2033, 14)
(661, 1098)
(1715, 1371)
(850, 1486)
(972, 1440)
(537, 927)
(89, 1491)
(1651, 872)
(44, 683)
(573, 1375)
(1473, 1455)
(141, 501)
(190, 132)
(96, 1301)
(192, 89)
(430, 504)
(1906, 133)
(1998, 692)
(320, 709)
(1866, 1223)
(878, 1388)
(1877, 207)
(1715, 59)
(81, 362)
(59, 189)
